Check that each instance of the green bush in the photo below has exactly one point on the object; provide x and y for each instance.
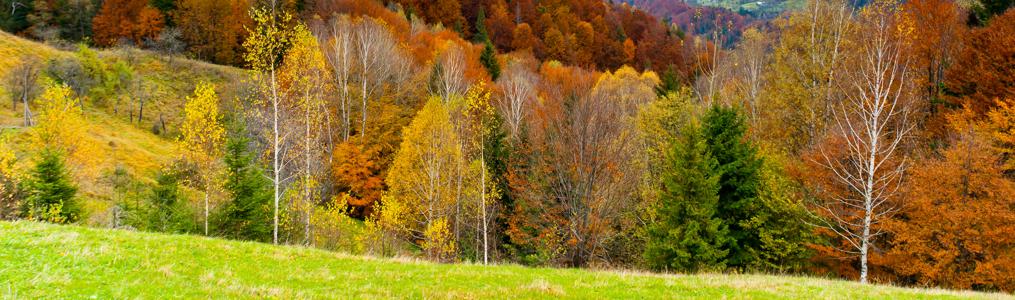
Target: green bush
(161, 209)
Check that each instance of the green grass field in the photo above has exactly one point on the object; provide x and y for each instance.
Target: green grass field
(49, 261)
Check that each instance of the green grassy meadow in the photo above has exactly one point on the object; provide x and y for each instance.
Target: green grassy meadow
(50, 261)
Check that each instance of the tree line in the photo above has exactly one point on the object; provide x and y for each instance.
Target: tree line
(869, 142)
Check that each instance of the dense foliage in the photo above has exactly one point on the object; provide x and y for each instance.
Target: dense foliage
(864, 140)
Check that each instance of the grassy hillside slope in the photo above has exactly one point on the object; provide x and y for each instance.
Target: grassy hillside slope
(41, 260)
(131, 147)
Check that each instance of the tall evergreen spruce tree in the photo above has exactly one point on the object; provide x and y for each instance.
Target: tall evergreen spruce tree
(489, 56)
(766, 227)
(50, 192)
(688, 236)
(481, 33)
(724, 130)
(489, 60)
(247, 215)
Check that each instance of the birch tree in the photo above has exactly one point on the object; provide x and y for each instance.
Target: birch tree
(266, 45)
(304, 77)
(872, 124)
(203, 139)
(364, 57)
(449, 79)
(751, 58)
(477, 102)
(381, 60)
(338, 45)
(801, 91)
(712, 62)
(519, 91)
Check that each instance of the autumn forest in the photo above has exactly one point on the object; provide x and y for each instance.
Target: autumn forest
(862, 140)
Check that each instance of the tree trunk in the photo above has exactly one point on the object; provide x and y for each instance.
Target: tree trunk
(275, 157)
(363, 127)
(306, 174)
(140, 110)
(863, 250)
(163, 121)
(482, 180)
(207, 189)
(28, 111)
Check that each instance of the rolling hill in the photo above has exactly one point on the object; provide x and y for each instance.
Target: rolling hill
(125, 146)
(49, 261)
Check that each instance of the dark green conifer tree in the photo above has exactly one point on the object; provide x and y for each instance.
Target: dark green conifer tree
(166, 211)
(766, 227)
(724, 130)
(50, 192)
(247, 213)
(489, 60)
(687, 235)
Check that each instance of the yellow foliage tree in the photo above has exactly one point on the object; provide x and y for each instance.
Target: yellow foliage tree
(267, 42)
(423, 186)
(203, 138)
(477, 101)
(629, 87)
(803, 85)
(304, 77)
(439, 243)
(63, 128)
(9, 202)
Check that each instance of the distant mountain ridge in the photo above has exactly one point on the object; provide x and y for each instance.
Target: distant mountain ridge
(696, 20)
(760, 9)
(754, 8)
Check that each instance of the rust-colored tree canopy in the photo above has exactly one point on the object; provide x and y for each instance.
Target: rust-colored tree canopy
(133, 20)
(985, 69)
(957, 225)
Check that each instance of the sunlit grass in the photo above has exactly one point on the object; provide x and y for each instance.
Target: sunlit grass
(48, 261)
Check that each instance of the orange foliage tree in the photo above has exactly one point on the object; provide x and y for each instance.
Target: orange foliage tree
(935, 42)
(985, 70)
(523, 38)
(581, 172)
(500, 26)
(446, 12)
(214, 30)
(130, 19)
(357, 177)
(957, 226)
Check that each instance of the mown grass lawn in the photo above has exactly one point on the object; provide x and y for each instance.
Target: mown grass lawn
(49, 261)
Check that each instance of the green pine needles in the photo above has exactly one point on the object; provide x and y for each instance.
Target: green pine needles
(720, 207)
(688, 237)
(50, 192)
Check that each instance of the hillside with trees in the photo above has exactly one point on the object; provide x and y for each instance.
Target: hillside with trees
(863, 141)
